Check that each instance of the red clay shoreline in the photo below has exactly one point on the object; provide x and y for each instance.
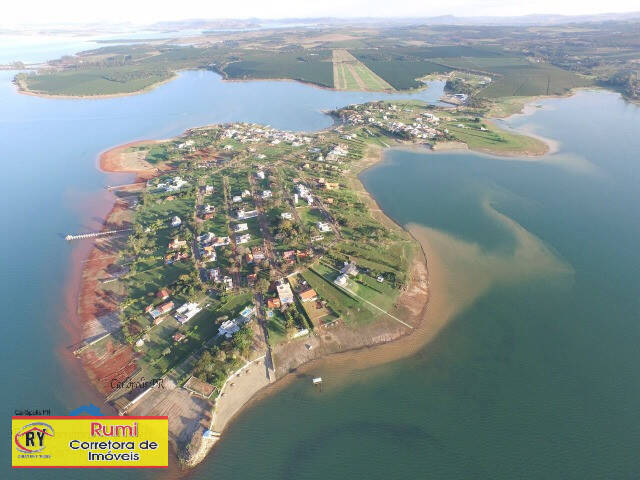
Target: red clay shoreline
(81, 302)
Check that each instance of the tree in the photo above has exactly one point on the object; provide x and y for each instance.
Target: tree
(243, 339)
(262, 285)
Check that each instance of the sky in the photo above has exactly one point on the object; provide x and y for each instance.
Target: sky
(145, 11)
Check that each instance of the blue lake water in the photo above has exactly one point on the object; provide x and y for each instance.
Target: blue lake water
(535, 376)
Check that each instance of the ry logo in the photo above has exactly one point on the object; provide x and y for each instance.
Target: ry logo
(31, 437)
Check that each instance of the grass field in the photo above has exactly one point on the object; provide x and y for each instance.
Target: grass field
(351, 74)
(276, 328)
(493, 139)
(350, 309)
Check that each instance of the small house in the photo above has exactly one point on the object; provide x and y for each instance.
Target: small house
(178, 337)
(163, 294)
(308, 295)
(273, 303)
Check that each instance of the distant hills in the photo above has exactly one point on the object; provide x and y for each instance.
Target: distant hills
(532, 19)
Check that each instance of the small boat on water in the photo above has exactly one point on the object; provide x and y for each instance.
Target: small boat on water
(317, 380)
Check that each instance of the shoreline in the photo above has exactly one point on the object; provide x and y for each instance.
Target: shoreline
(24, 90)
(21, 88)
(386, 347)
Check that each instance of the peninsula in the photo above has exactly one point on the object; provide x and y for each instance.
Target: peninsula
(250, 251)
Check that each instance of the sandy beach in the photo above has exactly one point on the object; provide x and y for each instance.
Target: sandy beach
(119, 160)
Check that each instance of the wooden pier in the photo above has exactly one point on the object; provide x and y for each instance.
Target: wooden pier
(126, 186)
(83, 236)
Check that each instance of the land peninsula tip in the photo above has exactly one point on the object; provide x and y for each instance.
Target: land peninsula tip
(254, 251)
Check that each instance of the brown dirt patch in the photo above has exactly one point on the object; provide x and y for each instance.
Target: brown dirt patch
(122, 159)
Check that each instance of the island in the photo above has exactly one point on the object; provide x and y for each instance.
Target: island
(241, 252)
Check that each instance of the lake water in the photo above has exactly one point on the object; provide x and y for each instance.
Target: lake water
(536, 376)
(52, 187)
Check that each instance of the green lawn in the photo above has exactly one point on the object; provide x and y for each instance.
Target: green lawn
(156, 277)
(493, 139)
(276, 328)
(350, 309)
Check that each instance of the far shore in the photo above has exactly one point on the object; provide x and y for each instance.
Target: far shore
(425, 303)
(24, 90)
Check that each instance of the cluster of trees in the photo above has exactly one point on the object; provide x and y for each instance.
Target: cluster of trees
(188, 286)
(215, 365)
(628, 81)
(288, 229)
(458, 85)
(293, 317)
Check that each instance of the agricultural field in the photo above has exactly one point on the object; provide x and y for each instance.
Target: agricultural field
(403, 66)
(522, 61)
(313, 67)
(95, 81)
(402, 74)
(519, 77)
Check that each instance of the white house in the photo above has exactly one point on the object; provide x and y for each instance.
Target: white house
(324, 227)
(284, 293)
(221, 241)
(286, 215)
(176, 222)
(214, 275)
(241, 227)
(341, 280)
(228, 328)
(243, 238)
(245, 214)
(186, 312)
(266, 194)
(206, 238)
(349, 269)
